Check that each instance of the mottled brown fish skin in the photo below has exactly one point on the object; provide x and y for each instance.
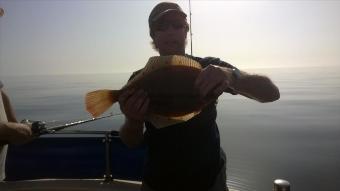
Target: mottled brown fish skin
(169, 82)
(171, 90)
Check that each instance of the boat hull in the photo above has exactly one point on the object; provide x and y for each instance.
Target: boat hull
(74, 157)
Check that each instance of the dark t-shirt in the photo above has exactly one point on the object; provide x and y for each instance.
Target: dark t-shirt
(185, 156)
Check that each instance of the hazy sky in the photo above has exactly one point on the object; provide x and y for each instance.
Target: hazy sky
(56, 37)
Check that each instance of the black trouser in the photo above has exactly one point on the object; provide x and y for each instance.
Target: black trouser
(220, 183)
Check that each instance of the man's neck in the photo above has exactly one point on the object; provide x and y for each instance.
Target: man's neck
(168, 54)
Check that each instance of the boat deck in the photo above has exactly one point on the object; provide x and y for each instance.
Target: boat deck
(71, 185)
(74, 164)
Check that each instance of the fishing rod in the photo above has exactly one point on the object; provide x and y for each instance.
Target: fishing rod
(190, 27)
(39, 127)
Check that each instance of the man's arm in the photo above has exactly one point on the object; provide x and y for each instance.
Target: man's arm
(256, 87)
(217, 79)
(8, 107)
(131, 133)
(134, 105)
(12, 132)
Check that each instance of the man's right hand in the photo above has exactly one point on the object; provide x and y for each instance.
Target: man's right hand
(134, 104)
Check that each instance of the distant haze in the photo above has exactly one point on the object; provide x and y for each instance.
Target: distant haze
(59, 37)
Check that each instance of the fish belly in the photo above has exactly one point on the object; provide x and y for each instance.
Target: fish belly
(171, 91)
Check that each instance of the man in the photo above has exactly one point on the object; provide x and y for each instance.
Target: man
(10, 131)
(186, 156)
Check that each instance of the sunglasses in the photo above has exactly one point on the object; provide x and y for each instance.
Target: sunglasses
(163, 26)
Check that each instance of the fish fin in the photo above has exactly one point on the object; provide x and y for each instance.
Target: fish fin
(184, 61)
(158, 62)
(97, 102)
(160, 121)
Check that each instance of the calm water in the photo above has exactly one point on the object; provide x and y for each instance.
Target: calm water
(296, 138)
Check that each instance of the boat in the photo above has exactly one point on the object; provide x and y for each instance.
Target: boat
(74, 160)
(79, 161)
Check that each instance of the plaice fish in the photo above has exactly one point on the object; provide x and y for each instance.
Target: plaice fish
(169, 83)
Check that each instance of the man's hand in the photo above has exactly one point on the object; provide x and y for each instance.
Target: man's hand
(16, 133)
(23, 135)
(213, 81)
(134, 104)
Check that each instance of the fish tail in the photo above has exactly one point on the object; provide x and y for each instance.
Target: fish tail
(97, 102)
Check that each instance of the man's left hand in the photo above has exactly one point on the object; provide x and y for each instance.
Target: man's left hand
(213, 81)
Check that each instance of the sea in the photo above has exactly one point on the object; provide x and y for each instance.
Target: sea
(296, 138)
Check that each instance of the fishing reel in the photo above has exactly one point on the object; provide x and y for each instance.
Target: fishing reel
(38, 127)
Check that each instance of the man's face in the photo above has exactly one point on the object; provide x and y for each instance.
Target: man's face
(170, 34)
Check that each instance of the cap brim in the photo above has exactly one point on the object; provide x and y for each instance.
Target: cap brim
(167, 12)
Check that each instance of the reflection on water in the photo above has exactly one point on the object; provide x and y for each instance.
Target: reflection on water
(295, 138)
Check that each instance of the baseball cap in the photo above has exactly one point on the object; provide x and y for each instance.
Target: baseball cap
(162, 9)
